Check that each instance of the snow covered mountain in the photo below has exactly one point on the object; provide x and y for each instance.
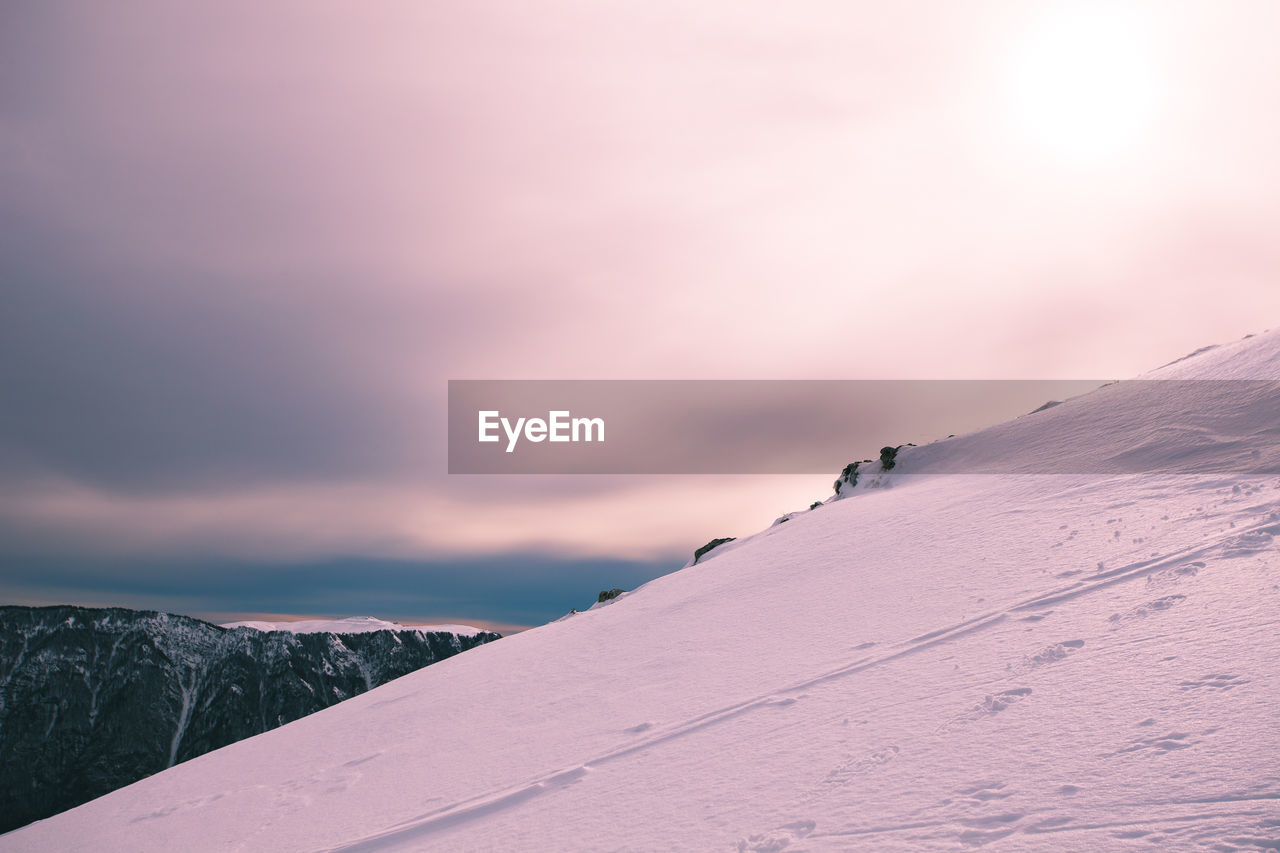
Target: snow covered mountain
(91, 700)
(351, 625)
(1080, 660)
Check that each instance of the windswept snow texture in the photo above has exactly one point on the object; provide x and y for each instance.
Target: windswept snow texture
(1014, 662)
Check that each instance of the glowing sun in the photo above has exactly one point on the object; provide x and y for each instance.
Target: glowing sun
(1083, 83)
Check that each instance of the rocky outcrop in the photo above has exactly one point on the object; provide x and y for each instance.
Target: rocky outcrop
(713, 544)
(888, 457)
(848, 476)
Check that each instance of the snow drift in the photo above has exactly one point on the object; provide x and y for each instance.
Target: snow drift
(1020, 661)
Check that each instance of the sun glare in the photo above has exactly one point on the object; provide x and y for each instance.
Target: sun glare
(1083, 84)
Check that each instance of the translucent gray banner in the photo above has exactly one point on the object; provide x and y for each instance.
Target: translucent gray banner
(816, 426)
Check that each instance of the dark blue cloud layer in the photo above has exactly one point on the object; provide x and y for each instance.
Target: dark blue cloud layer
(511, 589)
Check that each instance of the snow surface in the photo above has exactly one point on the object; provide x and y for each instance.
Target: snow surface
(351, 625)
(1017, 661)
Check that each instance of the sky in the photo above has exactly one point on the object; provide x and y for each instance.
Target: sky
(244, 247)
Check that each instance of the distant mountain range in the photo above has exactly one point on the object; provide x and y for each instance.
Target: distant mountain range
(94, 699)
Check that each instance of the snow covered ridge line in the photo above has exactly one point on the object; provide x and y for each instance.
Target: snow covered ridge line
(1213, 411)
(1011, 663)
(352, 625)
(95, 699)
(799, 427)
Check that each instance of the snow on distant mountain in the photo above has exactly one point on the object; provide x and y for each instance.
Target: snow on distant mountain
(93, 699)
(1252, 357)
(941, 659)
(352, 625)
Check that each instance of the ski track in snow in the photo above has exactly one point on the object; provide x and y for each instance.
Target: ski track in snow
(979, 831)
(1018, 662)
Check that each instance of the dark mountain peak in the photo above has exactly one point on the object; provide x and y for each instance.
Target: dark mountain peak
(93, 698)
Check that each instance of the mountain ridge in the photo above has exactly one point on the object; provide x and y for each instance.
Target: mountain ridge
(1019, 661)
(95, 698)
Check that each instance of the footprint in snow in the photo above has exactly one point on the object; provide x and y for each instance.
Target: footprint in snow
(777, 840)
(1156, 745)
(1214, 682)
(860, 765)
(1144, 610)
(985, 830)
(1052, 654)
(1036, 617)
(1247, 544)
(991, 705)
(1177, 573)
(998, 702)
(984, 792)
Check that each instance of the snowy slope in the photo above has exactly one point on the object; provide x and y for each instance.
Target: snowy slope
(1073, 661)
(351, 625)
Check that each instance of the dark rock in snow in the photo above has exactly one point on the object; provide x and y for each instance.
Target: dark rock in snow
(608, 594)
(888, 457)
(848, 477)
(1046, 406)
(714, 543)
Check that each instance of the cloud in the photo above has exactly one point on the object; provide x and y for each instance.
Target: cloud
(511, 589)
(243, 248)
(636, 517)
